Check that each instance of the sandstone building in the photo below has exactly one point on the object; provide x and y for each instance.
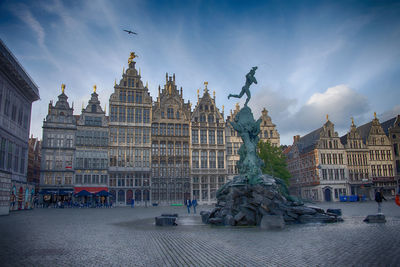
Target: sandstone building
(91, 155)
(129, 138)
(208, 150)
(17, 92)
(170, 158)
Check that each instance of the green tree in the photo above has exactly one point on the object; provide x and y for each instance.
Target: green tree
(274, 161)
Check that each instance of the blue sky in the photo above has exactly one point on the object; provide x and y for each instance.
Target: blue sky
(314, 58)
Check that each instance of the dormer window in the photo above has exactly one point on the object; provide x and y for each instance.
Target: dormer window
(202, 118)
(170, 113)
(210, 118)
(212, 108)
(94, 108)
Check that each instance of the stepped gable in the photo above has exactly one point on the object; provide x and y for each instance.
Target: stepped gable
(171, 96)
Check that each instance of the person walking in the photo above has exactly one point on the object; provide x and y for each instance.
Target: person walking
(378, 198)
(194, 204)
(188, 204)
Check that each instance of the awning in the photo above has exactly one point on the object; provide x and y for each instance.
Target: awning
(83, 193)
(62, 192)
(103, 193)
(92, 190)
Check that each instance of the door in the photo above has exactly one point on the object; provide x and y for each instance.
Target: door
(328, 194)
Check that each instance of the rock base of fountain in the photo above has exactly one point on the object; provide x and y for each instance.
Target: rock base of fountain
(263, 204)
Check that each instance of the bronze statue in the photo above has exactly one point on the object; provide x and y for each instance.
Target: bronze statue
(246, 88)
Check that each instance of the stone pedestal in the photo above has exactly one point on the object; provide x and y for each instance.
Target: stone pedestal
(377, 218)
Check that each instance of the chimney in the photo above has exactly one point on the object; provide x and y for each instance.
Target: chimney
(296, 138)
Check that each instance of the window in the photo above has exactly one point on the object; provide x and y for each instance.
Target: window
(121, 135)
(170, 113)
(202, 118)
(265, 134)
(203, 159)
(379, 170)
(139, 97)
(185, 130)
(371, 155)
(138, 135)
(220, 159)
(195, 136)
(330, 172)
(131, 115)
(146, 115)
(170, 129)
(373, 170)
(154, 129)
(195, 159)
(210, 118)
(211, 137)
(185, 149)
(212, 160)
(177, 115)
(389, 155)
(138, 115)
(146, 136)
(220, 137)
(162, 148)
(203, 136)
(163, 129)
(178, 128)
(170, 149)
(178, 149)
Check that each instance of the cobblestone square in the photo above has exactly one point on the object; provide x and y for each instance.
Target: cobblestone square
(128, 237)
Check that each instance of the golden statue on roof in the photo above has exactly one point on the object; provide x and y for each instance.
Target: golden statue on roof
(62, 88)
(132, 57)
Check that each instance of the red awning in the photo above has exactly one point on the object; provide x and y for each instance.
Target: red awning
(92, 190)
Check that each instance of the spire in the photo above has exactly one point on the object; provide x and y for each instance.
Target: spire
(62, 88)
(214, 94)
(166, 77)
(82, 105)
(159, 90)
(72, 104)
(374, 115)
(147, 84)
(105, 108)
(173, 77)
(352, 122)
(140, 74)
(123, 71)
(205, 86)
(181, 91)
(94, 88)
(198, 94)
(115, 82)
(327, 117)
(223, 109)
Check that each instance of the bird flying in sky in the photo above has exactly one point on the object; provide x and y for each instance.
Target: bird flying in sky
(130, 32)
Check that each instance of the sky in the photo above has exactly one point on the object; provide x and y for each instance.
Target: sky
(314, 58)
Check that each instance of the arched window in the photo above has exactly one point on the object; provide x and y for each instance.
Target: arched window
(94, 108)
(177, 114)
(265, 134)
(210, 118)
(202, 118)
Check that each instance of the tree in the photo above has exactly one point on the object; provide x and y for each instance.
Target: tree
(274, 161)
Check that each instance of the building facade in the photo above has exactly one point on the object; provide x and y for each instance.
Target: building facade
(17, 92)
(317, 165)
(233, 142)
(381, 164)
(91, 154)
(58, 151)
(357, 153)
(394, 136)
(170, 159)
(130, 138)
(268, 132)
(208, 151)
(34, 159)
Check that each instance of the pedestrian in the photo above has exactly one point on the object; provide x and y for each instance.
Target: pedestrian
(378, 198)
(194, 204)
(188, 204)
(132, 203)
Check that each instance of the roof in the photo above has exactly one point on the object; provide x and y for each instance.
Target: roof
(307, 142)
(387, 124)
(13, 67)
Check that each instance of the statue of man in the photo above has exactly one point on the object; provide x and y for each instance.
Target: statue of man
(246, 88)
